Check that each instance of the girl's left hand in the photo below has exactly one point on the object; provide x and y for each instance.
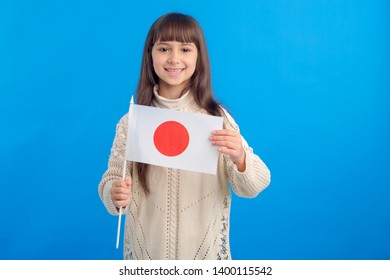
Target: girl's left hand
(230, 143)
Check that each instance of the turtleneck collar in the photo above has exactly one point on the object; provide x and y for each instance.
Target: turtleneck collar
(174, 104)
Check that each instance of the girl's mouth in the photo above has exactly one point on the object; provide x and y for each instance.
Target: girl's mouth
(174, 70)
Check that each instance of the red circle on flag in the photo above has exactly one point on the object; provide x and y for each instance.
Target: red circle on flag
(171, 138)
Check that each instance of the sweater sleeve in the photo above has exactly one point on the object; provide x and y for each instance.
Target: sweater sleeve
(115, 166)
(256, 176)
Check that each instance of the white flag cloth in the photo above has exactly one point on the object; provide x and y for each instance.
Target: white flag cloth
(172, 138)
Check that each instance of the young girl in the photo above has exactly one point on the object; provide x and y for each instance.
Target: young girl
(173, 213)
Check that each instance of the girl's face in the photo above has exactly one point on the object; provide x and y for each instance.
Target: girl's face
(174, 63)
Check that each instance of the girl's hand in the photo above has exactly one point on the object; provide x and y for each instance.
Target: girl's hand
(121, 192)
(230, 143)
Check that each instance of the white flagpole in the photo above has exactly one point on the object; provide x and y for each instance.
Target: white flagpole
(123, 178)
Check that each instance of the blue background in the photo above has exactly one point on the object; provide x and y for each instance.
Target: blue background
(307, 81)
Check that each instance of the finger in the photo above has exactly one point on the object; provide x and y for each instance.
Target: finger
(225, 132)
(123, 202)
(236, 157)
(118, 197)
(234, 138)
(230, 152)
(222, 140)
(120, 190)
(122, 196)
(125, 191)
(128, 181)
(117, 184)
(231, 143)
(227, 144)
(120, 201)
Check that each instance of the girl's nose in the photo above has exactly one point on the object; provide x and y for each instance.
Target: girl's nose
(173, 59)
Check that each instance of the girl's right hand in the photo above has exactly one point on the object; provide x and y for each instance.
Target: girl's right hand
(121, 192)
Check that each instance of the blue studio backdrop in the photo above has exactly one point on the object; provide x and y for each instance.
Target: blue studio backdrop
(307, 81)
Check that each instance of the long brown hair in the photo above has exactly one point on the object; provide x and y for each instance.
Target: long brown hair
(185, 29)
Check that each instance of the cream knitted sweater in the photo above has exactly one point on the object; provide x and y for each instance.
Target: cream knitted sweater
(186, 214)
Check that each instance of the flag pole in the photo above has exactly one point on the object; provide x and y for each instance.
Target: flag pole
(118, 233)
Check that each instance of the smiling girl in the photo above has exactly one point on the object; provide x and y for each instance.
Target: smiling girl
(173, 213)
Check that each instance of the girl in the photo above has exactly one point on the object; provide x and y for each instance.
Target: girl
(172, 213)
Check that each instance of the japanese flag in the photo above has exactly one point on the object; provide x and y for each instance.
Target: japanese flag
(172, 138)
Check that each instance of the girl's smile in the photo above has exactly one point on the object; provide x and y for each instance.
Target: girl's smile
(174, 71)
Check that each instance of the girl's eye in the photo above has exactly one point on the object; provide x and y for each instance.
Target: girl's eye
(163, 49)
(186, 50)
